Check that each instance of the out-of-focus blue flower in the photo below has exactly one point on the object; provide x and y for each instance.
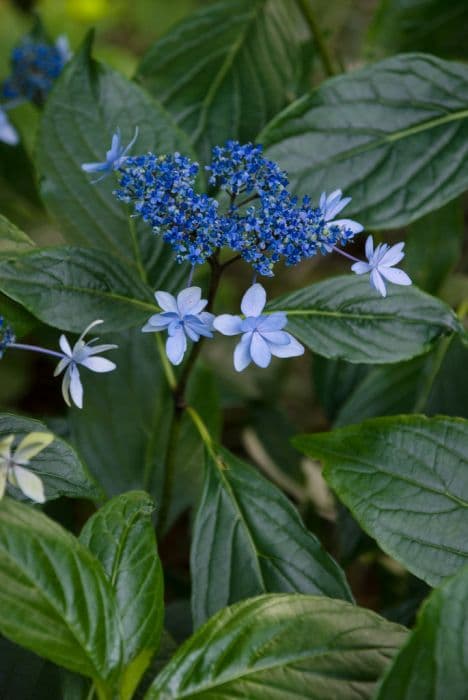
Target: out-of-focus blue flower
(7, 337)
(12, 464)
(183, 317)
(381, 265)
(8, 133)
(330, 206)
(35, 65)
(262, 334)
(83, 354)
(115, 157)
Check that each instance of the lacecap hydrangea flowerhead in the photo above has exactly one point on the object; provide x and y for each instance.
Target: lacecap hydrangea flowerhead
(13, 464)
(35, 65)
(254, 215)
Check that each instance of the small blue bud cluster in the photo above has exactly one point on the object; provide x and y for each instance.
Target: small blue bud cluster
(162, 191)
(263, 223)
(7, 337)
(35, 65)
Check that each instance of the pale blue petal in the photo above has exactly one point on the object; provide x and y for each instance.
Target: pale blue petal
(95, 167)
(242, 357)
(197, 326)
(188, 300)
(115, 149)
(393, 256)
(274, 322)
(361, 268)
(336, 207)
(259, 350)
(132, 142)
(7, 132)
(228, 324)
(369, 247)
(167, 302)
(65, 345)
(276, 337)
(176, 345)
(292, 349)
(76, 388)
(323, 201)
(253, 301)
(98, 364)
(378, 283)
(61, 366)
(208, 319)
(395, 276)
(161, 321)
(98, 349)
(343, 224)
(192, 333)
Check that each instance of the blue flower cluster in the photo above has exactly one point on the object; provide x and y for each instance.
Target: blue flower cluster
(7, 337)
(35, 65)
(161, 190)
(262, 222)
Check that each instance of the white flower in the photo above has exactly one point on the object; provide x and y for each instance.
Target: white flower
(83, 354)
(262, 335)
(183, 318)
(380, 265)
(12, 466)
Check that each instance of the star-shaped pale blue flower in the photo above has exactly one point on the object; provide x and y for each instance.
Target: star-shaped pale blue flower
(115, 157)
(83, 354)
(331, 206)
(262, 335)
(183, 317)
(381, 265)
(8, 133)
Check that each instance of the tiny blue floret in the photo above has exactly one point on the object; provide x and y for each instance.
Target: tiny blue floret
(262, 334)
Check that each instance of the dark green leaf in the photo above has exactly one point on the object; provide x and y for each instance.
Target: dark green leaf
(405, 479)
(87, 105)
(335, 381)
(69, 287)
(25, 676)
(224, 72)
(121, 535)
(248, 539)
(123, 430)
(432, 663)
(436, 384)
(59, 467)
(12, 239)
(434, 245)
(393, 135)
(282, 646)
(344, 318)
(435, 26)
(54, 596)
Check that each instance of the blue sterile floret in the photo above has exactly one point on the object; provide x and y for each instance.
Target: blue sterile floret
(7, 337)
(35, 65)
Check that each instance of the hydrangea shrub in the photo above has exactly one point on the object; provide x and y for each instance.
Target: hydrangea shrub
(204, 209)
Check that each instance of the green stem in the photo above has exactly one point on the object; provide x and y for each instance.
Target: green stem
(179, 389)
(320, 43)
(436, 364)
